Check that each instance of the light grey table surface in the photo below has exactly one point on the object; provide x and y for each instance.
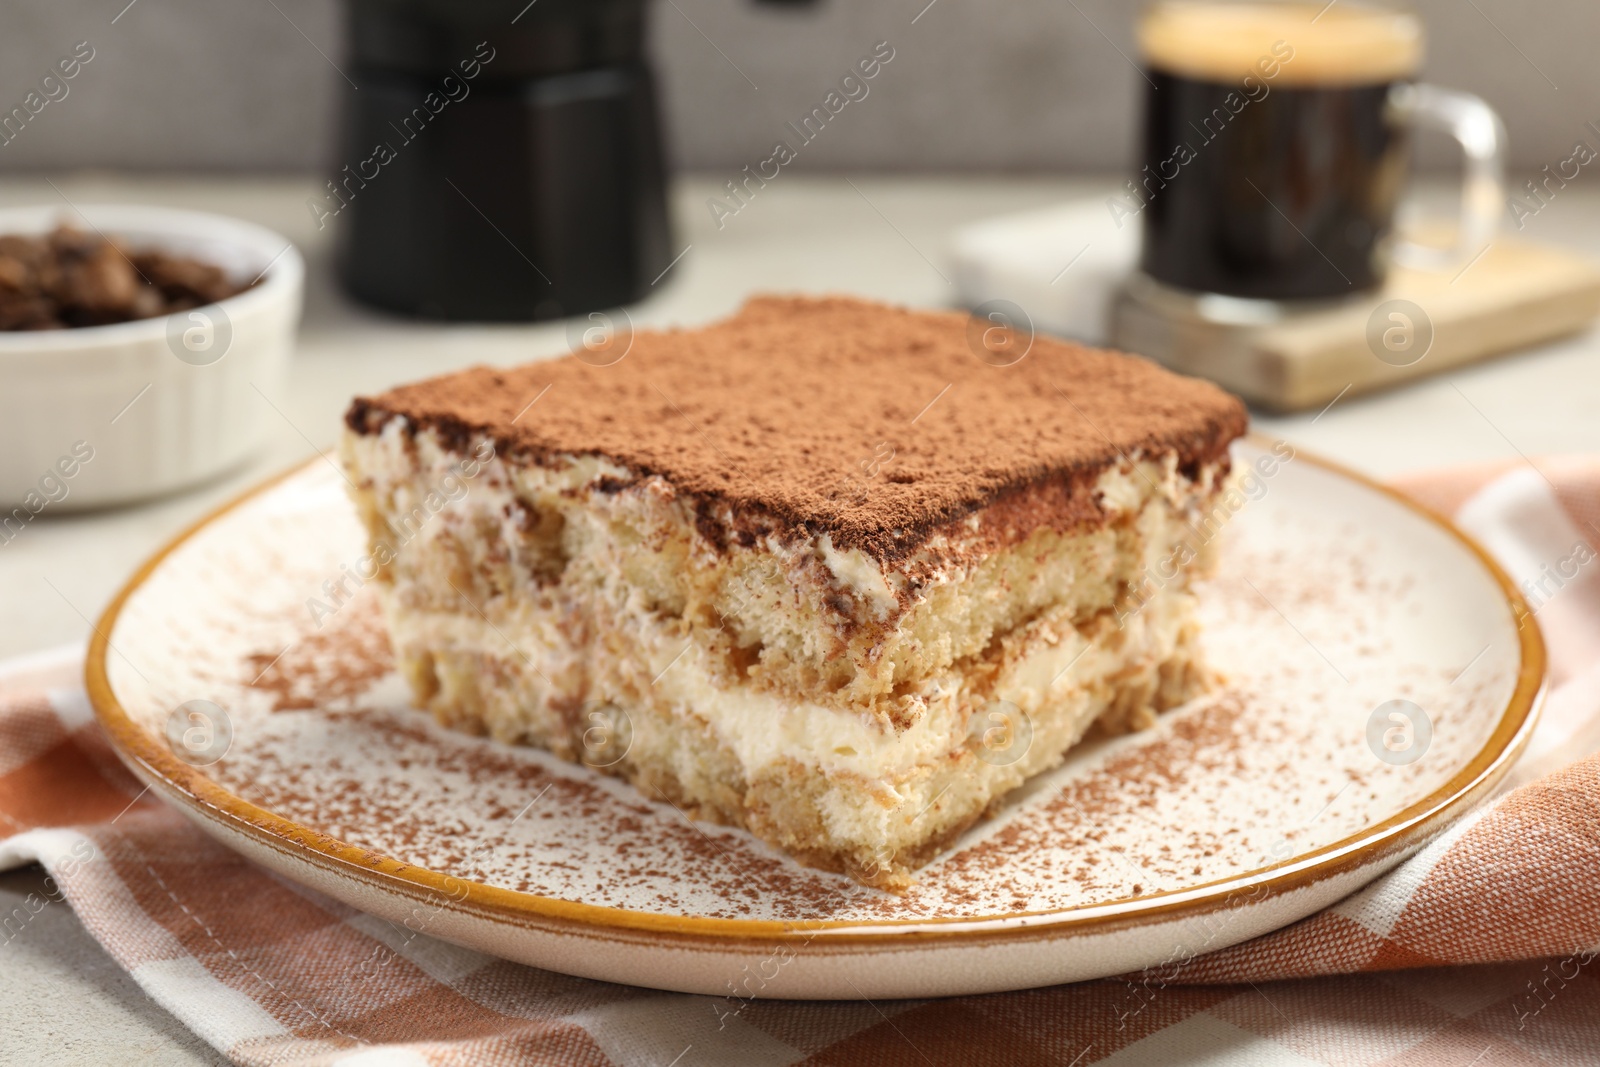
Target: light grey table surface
(63, 1001)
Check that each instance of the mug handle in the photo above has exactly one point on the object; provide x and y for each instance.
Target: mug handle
(1482, 137)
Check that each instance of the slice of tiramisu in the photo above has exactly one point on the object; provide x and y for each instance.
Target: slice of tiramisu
(818, 570)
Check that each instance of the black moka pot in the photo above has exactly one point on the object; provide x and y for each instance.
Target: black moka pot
(499, 162)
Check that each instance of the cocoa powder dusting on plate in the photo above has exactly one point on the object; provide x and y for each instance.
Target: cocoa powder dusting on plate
(334, 664)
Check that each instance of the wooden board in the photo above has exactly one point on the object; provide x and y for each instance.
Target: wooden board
(1070, 268)
(1516, 294)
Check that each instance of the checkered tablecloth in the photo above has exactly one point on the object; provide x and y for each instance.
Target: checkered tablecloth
(1477, 951)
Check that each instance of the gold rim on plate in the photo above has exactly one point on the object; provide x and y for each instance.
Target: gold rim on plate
(188, 787)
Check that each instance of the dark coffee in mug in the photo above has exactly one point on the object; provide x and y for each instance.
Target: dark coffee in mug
(1272, 155)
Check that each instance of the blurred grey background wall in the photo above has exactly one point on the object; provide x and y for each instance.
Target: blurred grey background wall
(975, 85)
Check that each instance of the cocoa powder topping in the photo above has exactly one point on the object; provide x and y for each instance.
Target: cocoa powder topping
(804, 416)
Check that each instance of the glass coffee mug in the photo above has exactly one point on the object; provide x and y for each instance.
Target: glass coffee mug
(1275, 146)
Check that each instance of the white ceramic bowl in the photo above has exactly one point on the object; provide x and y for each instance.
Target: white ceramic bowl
(108, 414)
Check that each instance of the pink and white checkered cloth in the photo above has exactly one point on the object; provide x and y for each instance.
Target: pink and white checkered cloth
(1477, 951)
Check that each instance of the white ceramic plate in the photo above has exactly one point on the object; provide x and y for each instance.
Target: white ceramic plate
(1238, 814)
